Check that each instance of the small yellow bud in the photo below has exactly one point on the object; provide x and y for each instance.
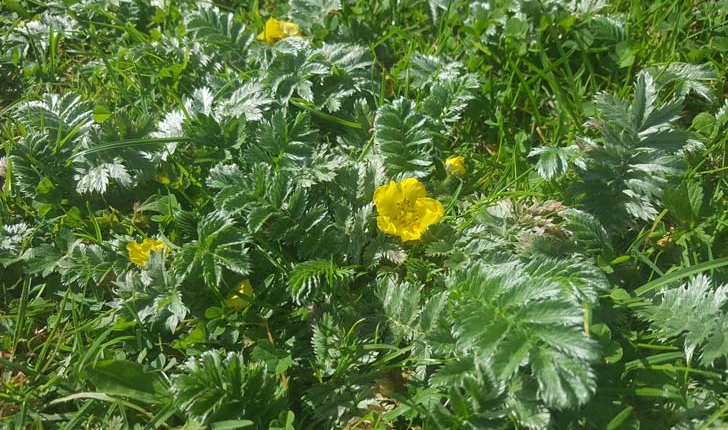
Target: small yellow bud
(455, 165)
(242, 297)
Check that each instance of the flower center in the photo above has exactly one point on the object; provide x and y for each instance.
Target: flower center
(406, 214)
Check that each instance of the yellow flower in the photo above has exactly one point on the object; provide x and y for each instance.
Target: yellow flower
(455, 165)
(139, 253)
(241, 299)
(276, 30)
(404, 210)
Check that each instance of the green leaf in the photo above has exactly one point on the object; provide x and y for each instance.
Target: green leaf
(308, 12)
(274, 358)
(403, 138)
(234, 260)
(232, 424)
(101, 113)
(283, 422)
(625, 52)
(563, 383)
(219, 387)
(553, 161)
(449, 97)
(695, 313)
(622, 418)
(285, 143)
(128, 379)
(307, 279)
(680, 274)
(695, 78)
(685, 201)
(295, 69)
(645, 98)
(249, 101)
(63, 117)
(638, 157)
(220, 32)
(611, 351)
(518, 319)
(400, 301)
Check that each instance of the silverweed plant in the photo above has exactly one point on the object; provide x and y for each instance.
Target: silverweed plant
(349, 214)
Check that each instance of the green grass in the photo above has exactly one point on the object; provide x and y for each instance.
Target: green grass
(576, 280)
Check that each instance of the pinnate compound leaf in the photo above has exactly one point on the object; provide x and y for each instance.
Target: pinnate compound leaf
(687, 78)
(524, 320)
(220, 244)
(220, 388)
(695, 313)
(639, 156)
(249, 101)
(307, 279)
(402, 136)
(219, 30)
(449, 97)
(60, 116)
(401, 303)
(307, 12)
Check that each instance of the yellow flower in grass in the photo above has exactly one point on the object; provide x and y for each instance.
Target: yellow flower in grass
(455, 165)
(139, 253)
(404, 210)
(276, 30)
(240, 299)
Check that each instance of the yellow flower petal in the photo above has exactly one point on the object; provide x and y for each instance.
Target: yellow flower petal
(276, 30)
(386, 198)
(136, 254)
(412, 189)
(430, 210)
(385, 224)
(139, 252)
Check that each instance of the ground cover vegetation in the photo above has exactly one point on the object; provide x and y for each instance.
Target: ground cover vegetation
(382, 214)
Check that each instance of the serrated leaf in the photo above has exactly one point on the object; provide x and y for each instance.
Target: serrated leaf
(403, 139)
(687, 77)
(553, 161)
(563, 382)
(308, 12)
(516, 318)
(401, 305)
(684, 201)
(219, 31)
(307, 279)
(249, 101)
(645, 97)
(662, 116)
(640, 154)
(449, 96)
(694, 313)
(432, 311)
(61, 116)
(215, 387)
